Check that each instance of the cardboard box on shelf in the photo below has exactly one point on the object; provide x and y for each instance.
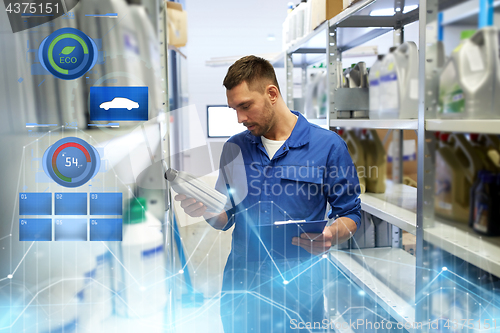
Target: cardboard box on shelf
(322, 10)
(176, 24)
(410, 161)
(347, 3)
(409, 243)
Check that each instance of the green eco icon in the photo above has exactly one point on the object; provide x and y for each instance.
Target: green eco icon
(67, 50)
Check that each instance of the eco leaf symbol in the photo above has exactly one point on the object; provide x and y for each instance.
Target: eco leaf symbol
(67, 50)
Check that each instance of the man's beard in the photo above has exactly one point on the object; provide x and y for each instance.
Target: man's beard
(265, 126)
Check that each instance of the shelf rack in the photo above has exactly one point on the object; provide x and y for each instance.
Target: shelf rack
(459, 240)
(402, 124)
(490, 126)
(396, 206)
(385, 274)
(404, 207)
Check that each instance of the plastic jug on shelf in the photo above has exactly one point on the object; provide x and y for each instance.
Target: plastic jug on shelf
(457, 164)
(489, 155)
(141, 285)
(484, 213)
(358, 156)
(376, 162)
(399, 83)
(374, 85)
(469, 85)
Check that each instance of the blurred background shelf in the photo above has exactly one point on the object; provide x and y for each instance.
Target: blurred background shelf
(491, 126)
(461, 241)
(408, 124)
(385, 274)
(396, 206)
(464, 13)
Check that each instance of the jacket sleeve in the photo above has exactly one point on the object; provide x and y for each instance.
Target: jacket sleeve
(342, 186)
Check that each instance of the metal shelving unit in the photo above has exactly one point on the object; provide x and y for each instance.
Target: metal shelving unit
(402, 124)
(396, 206)
(491, 126)
(464, 13)
(459, 240)
(375, 271)
(402, 206)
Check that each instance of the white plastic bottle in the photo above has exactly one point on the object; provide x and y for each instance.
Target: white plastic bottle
(141, 281)
(399, 83)
(374, 90)
(96, 297)
(299, 23)
(469, 82)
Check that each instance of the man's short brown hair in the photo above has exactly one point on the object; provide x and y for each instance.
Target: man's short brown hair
(255, 71)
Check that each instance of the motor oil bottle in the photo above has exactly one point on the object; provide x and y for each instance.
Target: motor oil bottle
(457, 164)
(437, 50)
(483, 205)
(374, 88)
(489, 163)
(141, 284)
(492, 143)
(358, 157)
(376, 162)
(469, 83)
(316, 97)
(399, 83)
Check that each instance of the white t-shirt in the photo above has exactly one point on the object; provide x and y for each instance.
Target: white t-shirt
(271, 146)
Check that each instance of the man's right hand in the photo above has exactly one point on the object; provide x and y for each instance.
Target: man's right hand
(195, 208)
(191, 206)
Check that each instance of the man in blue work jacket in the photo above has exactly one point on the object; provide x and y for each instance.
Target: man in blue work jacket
(281, 168)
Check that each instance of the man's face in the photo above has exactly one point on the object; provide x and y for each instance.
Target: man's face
(253, 108)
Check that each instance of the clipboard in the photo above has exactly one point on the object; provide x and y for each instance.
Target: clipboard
(277, 238)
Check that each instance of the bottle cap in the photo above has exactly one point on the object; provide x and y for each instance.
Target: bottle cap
(444, 137)
(136, 212)
(466, 34)
(474, 137)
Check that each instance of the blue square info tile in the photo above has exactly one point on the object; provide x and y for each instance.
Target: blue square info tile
(31, 203)
(105, 203)
(105, 229)
(35, 230)
(119, 103)
(70, 229)
(70, 203)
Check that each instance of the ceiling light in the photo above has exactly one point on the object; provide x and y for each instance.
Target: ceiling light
(382, 12)
(390, 11)
(409, 8)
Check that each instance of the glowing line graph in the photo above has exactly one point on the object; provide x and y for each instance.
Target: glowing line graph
(23, 160)
(22, 259)
(63, 280)
(5, 237)
(121, 264)
(210, 249)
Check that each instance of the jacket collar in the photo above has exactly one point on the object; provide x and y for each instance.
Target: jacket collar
(299, 137)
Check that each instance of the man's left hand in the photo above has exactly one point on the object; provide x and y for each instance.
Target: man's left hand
(340, 231)
(315, 243)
